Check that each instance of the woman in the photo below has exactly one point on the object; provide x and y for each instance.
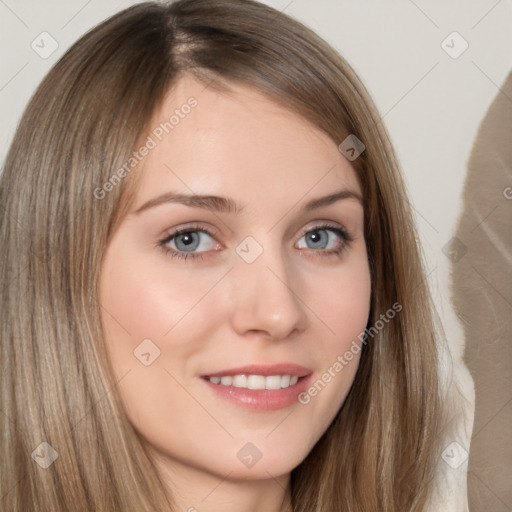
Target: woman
(257, 373)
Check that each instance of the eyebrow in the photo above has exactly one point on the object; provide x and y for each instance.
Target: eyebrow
(228, 205)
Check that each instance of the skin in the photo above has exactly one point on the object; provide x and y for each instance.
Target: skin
(294, 303)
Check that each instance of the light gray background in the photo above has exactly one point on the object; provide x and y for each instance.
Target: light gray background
(431, 103)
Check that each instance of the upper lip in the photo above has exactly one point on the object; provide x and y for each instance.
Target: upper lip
(265, 370)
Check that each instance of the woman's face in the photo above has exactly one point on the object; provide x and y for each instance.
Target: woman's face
(215, 334)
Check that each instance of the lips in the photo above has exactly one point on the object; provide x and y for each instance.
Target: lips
(243, 385)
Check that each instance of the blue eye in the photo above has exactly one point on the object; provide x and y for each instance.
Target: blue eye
(322, 235)
(188, 240)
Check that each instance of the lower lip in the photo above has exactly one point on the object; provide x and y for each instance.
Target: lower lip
(261, 399)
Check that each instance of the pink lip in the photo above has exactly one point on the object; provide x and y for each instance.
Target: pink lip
(262, 399)
(265, 370)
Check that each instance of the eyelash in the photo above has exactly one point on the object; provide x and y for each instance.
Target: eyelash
(341, 232)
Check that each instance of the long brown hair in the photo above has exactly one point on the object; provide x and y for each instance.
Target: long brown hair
(81, 125)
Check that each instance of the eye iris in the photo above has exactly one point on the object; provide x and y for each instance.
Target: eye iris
(318, 235)
(188, 239)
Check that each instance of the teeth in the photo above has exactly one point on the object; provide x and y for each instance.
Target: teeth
(240, 381)
(272, 382)
(256, 381)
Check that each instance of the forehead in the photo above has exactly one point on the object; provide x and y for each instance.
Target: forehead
(240, 143)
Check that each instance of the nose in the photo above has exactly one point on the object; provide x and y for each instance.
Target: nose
(264, 299)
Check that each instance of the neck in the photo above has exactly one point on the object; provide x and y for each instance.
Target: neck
(195, 490)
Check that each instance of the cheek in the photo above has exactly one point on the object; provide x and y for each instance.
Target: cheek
(149, 309)
(344, 303)
(343, 309)
(142, 299)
